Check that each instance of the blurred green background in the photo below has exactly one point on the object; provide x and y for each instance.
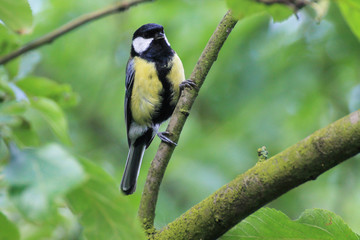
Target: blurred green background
(273, 84)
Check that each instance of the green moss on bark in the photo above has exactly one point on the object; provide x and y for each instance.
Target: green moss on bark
(267, 180)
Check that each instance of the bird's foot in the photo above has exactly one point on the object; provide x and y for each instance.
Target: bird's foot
(187, 84)
(164, 137)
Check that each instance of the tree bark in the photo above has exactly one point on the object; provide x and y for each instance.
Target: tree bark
(268, 180)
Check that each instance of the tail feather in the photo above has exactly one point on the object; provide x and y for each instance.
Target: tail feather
(132, 168)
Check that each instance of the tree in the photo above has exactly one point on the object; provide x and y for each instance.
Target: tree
(51, 189)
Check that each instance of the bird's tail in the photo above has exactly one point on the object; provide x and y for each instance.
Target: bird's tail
(132, 168)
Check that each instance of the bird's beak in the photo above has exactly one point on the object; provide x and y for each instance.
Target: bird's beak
(159, 36)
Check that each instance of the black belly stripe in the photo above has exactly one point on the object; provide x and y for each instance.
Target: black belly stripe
(164, 111)
(161, 54)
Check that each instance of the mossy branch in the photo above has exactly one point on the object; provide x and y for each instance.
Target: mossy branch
(269, 179)
(50, 37)
(177, 121)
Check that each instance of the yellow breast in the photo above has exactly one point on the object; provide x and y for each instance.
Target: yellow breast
(176, 76)
(145, 92)
(145, 97)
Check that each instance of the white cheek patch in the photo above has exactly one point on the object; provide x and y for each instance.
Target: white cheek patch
(167, 42)
(141, 44)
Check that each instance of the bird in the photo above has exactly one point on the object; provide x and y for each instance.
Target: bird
(154, 80)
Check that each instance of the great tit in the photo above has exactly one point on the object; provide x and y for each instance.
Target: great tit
(154, 79)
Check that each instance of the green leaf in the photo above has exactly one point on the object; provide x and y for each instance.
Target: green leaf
(9, 120)
(10, 112)
(17, 15)
(37, 176)
(329, 222)
(54, 116)
(20, 129)
(9, 42)
(19, 94)
(13, 108)
(9, 230)
(350, 9)
(103, 211)
(245, 8)
(5, 89)
(269, 223)
(43, 87)
(25, 135)
(40, 86)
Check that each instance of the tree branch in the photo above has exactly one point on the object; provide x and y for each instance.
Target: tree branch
(302, 162)
(48, 38)
(177, 121)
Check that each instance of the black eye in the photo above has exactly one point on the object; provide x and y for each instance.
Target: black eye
(148, 34)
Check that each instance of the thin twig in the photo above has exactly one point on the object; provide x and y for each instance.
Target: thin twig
(177, 121)
(48, 38)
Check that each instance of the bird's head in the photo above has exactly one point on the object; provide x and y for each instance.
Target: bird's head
(149, 35)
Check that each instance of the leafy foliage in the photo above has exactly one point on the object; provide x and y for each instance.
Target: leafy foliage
(9, 229)
(269, 223)
(42, 87)
(102, 211)
(54, 115)
(249, 7)
(37, 176)
(21, 109)
(16, 15)
(9, 42)
(351, 12)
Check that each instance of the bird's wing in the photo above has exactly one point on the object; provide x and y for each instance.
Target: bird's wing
(130, 73)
